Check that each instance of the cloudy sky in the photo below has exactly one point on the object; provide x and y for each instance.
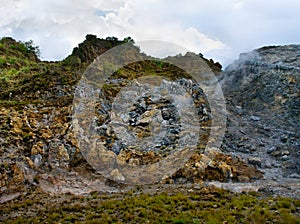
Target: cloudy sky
(220, 29)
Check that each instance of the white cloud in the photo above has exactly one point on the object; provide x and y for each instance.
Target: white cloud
(218, 29)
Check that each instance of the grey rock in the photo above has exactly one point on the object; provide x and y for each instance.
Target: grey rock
(276, 165)
(295, 175)
(239, 110)
(253, 148)
(255, 161)
(285, 158)
(268, 165)
(270, 150)
(284, 138)
(255, 118)
(276, 153)
(285, 153)
(265, 83)
(243, 132)
(37, 160)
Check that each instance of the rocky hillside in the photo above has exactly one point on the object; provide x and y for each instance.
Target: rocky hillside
(262, 91)
(40, 153)
(38, 145)
(36, 99)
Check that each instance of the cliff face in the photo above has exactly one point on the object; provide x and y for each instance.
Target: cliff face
(36, 135)
(263, 100)
(38, 146)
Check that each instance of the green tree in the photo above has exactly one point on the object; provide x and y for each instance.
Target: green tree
(31, 48)
(128, 40)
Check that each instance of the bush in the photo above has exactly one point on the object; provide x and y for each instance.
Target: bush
(31, 48)
(72, 60)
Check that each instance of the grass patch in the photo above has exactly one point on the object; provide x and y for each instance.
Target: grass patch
(163, 207)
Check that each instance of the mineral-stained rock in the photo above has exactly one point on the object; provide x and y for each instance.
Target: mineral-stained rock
(285, 153)
(243, 179)
(37, 135)
(46, 134)
(38, 148)
(18, 180)
(30, 163)
(62, 153)
(222, 168)
(255, 161)
(116, 175)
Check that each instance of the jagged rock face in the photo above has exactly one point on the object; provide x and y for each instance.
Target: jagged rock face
(263, 100)
(37, 142)
(266, 79)
(153, 113)
(91, 48)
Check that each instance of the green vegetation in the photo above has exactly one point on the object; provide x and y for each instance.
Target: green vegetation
(9, 46)
(151, 67)
(24, 78)
(31, 48)
(87, 49)
(208, 205)
(141, 70)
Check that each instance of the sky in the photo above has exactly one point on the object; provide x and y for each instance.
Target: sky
(219, 29)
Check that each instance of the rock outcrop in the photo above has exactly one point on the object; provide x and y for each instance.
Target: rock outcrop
(38, 146)
(263, 101)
